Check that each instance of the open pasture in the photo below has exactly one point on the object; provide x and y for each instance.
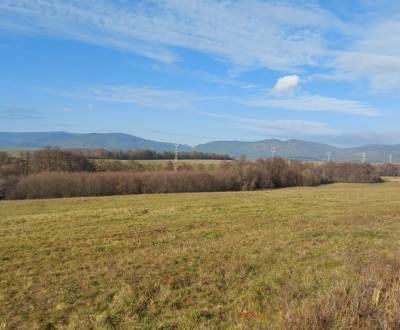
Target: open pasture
(192, 162)
(294, 258)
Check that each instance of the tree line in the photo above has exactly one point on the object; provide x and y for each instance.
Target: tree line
(50, 172)
(145, 154)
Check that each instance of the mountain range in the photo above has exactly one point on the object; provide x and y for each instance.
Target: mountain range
(290, 149)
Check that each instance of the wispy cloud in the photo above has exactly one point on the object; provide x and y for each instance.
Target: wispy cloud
(279, 128)
(236, 31)
(98, 22)
(18, 113)
(142, 96)
(164, 99)
(312, 103)
(372, 55)
(148, 97)
(293, 37)
(380, 69)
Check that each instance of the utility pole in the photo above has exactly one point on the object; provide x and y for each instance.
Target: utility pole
(176, 157)
(176, 152)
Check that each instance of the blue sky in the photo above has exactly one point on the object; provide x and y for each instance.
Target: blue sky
(199, 70)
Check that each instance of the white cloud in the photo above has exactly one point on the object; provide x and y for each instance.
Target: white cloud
(286, 84)
(275, 35)
(312, 103)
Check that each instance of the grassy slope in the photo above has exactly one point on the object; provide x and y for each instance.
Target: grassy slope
(264, 259)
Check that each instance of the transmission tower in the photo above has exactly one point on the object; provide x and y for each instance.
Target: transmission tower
(273, 151)
(364, 157)
(176, 152)
(328, 156)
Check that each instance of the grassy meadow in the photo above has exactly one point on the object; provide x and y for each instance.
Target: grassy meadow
(192, 162)
(163, 162)
(294, 258)
(16, 152)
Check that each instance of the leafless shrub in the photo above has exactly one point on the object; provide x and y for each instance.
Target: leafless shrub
(387, 169)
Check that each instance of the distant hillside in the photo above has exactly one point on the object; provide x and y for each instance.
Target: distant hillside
(302, 150)
(90, 140)
(292, 149)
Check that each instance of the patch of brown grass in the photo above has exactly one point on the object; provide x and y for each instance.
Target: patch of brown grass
(370, 301)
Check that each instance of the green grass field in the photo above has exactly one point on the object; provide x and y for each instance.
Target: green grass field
(295, 258)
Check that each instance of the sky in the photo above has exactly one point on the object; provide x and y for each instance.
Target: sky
(193, 71)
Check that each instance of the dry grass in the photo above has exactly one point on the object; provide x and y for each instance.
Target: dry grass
(163, 162)
(192, 162)
(299, 258)
(158, 164)
(16, 152)
(391, 178)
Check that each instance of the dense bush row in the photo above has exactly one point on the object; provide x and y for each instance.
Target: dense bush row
(388, 169)
(234, 175)
(61, 184)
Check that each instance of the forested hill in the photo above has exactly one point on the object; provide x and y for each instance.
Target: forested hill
(89, 140)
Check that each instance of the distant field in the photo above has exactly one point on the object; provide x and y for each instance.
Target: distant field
(186, 161)
(163, 161)
(16, 151)
(294, 258)
(156, 164)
